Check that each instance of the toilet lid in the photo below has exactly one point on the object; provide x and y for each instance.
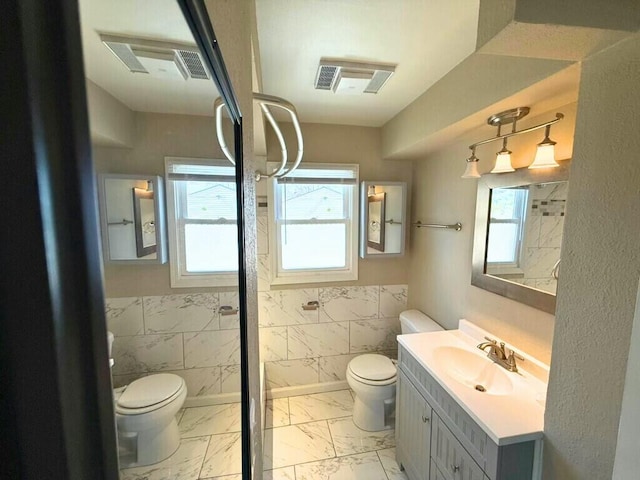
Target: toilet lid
(147, 391)
(372, 366)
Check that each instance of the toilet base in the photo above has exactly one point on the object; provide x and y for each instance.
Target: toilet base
(149, 446)
(374, 416)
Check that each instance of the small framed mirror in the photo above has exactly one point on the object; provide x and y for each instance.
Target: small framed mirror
(132, 218)
(382, 219)
(518, 234)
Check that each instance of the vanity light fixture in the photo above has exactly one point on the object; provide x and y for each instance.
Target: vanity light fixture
(472, 166)
(545, 153)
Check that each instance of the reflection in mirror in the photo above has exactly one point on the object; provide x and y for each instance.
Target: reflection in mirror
(375, 230)
(382, 226)
(144, 222)
(518, 234)
(131, 210)
(525, 233)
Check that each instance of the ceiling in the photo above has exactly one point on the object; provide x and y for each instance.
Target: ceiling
(424, 38)
(152, 19)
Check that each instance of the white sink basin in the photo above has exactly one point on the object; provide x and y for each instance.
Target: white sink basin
(474, 371)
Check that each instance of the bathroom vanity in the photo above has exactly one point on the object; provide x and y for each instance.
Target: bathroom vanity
(460, 417)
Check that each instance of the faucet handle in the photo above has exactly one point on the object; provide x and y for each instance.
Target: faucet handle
(512, 353)
(492, 340)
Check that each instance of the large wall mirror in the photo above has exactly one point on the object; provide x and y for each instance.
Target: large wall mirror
(383, 207)
(518, 234)
(132, 218)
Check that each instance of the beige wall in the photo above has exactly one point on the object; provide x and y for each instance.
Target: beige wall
(440, 273)
(601, 266)
(349, 144)
(111, 122)
(158, 135)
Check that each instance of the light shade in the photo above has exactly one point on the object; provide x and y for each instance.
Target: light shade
(503, 160)
(472, 170)
(546, 152)
(545, 156)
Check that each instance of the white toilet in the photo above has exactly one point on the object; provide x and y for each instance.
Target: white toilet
(372, 377)
(146, 418)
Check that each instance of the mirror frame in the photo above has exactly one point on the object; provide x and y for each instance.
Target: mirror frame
(364, 218)
(160, 216)
(539, 299)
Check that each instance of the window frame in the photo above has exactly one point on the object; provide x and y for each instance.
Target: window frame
(179, 277)
(513, 267)
(315, 275)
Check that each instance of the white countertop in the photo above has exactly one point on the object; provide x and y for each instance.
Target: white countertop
(506, 419)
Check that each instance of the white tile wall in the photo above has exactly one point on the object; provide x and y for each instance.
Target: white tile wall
(124, 316)
(185, 334)
(181, 313)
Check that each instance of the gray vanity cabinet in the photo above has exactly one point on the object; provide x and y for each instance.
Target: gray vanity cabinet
(413, 426)
(449, 456)
(437, 440)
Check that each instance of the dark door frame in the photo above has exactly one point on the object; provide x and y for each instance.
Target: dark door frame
(56, 406)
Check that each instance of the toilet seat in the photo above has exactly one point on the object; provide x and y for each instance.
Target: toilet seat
(373, 369)
(149, 393)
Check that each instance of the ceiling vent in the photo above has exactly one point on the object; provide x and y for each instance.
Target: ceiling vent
(352, 77)
(157, 58)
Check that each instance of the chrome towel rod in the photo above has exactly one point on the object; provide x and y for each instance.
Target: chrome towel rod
(456, 226)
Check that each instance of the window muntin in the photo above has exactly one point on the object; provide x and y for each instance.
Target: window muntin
(315, 231)
(506, 225)
(203, 224)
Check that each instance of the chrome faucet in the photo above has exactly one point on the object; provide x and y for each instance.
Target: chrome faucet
(498, 354)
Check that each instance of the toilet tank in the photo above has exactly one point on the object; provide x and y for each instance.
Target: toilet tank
(414, 321)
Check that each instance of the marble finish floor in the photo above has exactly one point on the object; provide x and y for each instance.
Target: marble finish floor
(307, 437)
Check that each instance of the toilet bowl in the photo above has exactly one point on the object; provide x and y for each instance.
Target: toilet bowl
(372, 377)
(146, 418)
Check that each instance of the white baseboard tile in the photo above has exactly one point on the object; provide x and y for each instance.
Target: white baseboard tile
(308, 389)
(279, 392)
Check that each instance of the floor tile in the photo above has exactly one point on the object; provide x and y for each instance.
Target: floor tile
(224, 456)
(287, 473)
(363, 466)
(237, 476)
(277, 413)
(349, 439)
(391, 467)
(211, 420)
(320, 406)
(183, 465)
(286, 446)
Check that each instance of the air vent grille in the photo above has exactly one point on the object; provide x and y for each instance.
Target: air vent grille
(186, 57)
(326, 77)
(126, 56)
(330, 71)
(380, 77)
(193, 63)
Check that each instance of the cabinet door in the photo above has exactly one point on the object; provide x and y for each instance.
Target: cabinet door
(413, 430)
(452, 460)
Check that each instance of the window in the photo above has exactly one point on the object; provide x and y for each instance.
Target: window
(202, 220)
(315, 231)
(506, 224)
